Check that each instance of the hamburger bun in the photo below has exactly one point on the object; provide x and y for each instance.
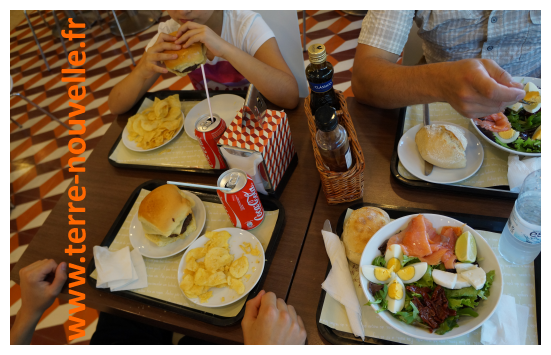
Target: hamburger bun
(442, 145)
(164, 213)
(362, 224)
(188, 59)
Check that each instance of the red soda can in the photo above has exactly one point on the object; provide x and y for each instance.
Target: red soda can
(241, 203)
(208, 131)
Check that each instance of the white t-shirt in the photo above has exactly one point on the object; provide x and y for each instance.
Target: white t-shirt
(244, 29)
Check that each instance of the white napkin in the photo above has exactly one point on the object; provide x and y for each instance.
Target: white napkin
(339, 284)
(520, 169)
(507, 326)
(112, 266)
(139, 277)
(246, 161)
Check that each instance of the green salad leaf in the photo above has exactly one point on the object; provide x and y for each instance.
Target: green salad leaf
(522, 124)
(467, 312)
(409, 317)
(484, 292)
(380, 299)
(379, 261)
(529, 145)
(447, 325)
(468, 292)
(409, 260)
(426, 280)
(457, 303)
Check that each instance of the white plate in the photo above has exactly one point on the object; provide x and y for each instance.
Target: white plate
(132, 145)
(238, 236)
(151, 250)
(226, 106)
(523, 80)
(414, 163)
(466, 324)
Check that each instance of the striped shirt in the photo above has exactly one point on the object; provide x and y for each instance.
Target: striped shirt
(511, 38)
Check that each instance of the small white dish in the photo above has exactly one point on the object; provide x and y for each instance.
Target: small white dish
(132, 145)
(414, 163)
(523, 80)
(151, 250)
(226, 106)
(256, 267)
(488, 262)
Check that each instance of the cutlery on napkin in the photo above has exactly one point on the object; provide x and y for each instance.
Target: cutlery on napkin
(119, 270)
(507, 326)
(338, 283)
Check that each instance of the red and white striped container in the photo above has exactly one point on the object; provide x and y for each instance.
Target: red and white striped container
(242, 203)
(208, 131)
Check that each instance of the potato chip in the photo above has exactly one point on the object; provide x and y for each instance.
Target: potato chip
(239, 267)
(189, 272)
(167, 135)
(187, 283)
(219, 240)
(173, 114)
(205, 297)
(196, 253)
(217, 257)
(195, 291)
(171, 125)
(137, 124)
(216, 279)
(228, 279)
(201, 264)
(161, 109)
(174, 101)
(238, 286)
(201, 277)
(149, 125)
(192, 265)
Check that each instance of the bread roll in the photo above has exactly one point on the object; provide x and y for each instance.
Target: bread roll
(442, 145)
(362, 224)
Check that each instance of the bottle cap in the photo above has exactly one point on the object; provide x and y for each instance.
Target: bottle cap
(317, 53)
(326, 118)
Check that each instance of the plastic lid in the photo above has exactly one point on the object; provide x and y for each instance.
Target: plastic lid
(326, 118)
(317, 53)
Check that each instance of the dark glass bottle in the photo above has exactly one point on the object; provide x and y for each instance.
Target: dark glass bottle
(320, 78)
(332, 140)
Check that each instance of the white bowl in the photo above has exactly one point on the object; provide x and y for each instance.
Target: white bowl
(466, 324)
(132, 145)
(524, 80)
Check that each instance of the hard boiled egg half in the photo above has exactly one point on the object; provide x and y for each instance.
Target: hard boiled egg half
(533, 94)
(377, 274)
(507, 136)
(396, 296)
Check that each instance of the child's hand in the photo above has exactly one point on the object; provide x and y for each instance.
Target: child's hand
(150, 63)
(191, 32)
(37, 292)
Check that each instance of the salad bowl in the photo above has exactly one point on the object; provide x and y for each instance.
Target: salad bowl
(486, 259)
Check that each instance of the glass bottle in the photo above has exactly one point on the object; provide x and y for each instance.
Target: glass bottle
(332, 140)
(320, 78)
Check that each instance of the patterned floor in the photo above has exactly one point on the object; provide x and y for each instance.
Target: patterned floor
(38, 171)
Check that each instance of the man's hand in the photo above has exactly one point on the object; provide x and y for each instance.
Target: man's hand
(191, 32)
(477, 87)
(150, 63)
(269, 321)
(37, 294)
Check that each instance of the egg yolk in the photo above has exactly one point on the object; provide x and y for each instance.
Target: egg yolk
(507, 134)
(394, 265)
(533, 96)
(382, 274)
(395, 291)
(407, 273)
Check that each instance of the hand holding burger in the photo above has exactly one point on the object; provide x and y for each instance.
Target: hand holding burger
(151, 62)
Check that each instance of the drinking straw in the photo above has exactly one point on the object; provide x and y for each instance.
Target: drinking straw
(207, 90)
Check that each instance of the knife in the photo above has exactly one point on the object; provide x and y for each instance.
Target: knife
(426, 122)
(327, 226)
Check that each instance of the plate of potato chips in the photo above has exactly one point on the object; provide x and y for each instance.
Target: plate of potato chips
(156, 125)
(221, 267)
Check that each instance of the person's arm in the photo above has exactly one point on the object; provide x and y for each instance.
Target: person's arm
(37, 294)
(125, 94)
(270, 321)
(267, 70)
(473, 87)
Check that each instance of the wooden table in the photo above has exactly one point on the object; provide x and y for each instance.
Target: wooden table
(107, 190)
(376, 130)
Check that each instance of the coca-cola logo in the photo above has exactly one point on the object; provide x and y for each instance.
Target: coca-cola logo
(254, 202)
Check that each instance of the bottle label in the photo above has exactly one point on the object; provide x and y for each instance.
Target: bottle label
(522, 230)
(323, 87)
(348, 157)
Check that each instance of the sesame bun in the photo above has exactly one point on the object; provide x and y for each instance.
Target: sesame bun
(188, 59)
(362, 224)
(442, 145)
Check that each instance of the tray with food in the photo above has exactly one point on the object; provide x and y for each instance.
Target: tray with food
(187, 255)
(160, 130)
(461, 161)
(425, 276)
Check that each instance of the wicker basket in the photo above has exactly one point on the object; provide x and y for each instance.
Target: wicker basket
(339, 187)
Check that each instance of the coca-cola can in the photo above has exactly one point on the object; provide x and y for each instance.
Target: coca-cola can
(208, 131)
(242, 203)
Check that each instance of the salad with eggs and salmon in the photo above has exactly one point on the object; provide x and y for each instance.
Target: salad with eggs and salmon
(519, 127)
(428, 279)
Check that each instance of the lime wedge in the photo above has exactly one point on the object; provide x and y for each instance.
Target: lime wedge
(465, 248)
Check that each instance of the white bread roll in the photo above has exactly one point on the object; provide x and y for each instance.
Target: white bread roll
(442, 145)
(358, 229)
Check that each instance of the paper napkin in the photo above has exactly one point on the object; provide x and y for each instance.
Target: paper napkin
(507, 326)
(520, 169)
(112, 266)
(139, 277)
(339, 284)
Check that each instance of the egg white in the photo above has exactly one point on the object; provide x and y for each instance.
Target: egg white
(369, 272)
(420, 270)
(529, 87)
(394, 251)
(510, 140)
(395, 306)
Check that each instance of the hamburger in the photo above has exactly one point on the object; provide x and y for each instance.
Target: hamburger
(166, 215)
(188, 59)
